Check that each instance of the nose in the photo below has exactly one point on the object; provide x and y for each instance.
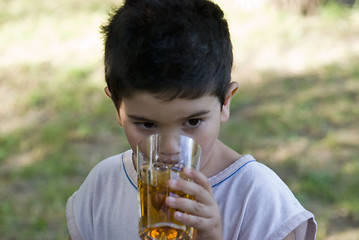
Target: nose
(169, 147)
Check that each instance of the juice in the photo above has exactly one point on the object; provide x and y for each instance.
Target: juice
(156, 218)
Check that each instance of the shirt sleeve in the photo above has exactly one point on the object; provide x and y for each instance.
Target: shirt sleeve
(290, 215)
(300, 227)
(274, 210)
(71, 221)
(105, 206)
(80, 206)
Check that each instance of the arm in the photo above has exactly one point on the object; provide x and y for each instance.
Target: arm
(290, 236)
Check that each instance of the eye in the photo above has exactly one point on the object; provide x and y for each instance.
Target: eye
(195, 122)
(146, 125)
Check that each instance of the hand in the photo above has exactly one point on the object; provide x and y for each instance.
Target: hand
(201, 213)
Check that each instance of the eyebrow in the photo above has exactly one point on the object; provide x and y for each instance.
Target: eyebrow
(200, 113)
(139, 119)
(142, 119)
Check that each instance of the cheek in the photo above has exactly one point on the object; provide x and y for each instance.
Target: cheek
(207, 143)
(132, 135)
(207, 140)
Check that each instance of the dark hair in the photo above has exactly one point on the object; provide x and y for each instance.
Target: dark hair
(171, 48)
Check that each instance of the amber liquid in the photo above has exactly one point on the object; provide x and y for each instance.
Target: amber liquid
(156, 219)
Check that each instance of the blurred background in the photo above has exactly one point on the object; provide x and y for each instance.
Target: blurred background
(297, 109)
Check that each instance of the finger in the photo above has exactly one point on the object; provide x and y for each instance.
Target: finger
(208, 228)
(193, 189)
(198, 178)
(198, 223)
(189, 206)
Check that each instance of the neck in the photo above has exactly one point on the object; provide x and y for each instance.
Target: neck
(222, 156)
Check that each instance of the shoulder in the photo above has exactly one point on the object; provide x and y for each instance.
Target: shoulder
(108, 164)
(249, 173)
(265, 180)
(261, 185)
(105, 172)
(258, 197)
(255, 177)
(93, 200)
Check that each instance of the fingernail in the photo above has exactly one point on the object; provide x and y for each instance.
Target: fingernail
(171, 199)
(178, 215)
(188, 171)
(172, 182)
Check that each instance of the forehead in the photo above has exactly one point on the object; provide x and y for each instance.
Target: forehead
(149, 106)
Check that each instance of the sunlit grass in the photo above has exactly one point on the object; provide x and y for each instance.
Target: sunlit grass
(56, 122)
(45, 158)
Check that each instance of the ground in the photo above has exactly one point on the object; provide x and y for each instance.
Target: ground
(296, 109)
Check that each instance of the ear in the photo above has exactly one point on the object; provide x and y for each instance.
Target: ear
(107, 91)
(233, 87)
(118, 115)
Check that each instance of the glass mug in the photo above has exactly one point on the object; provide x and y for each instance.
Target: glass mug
(161, 157)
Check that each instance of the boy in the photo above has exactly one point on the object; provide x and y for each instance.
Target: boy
(167, 67)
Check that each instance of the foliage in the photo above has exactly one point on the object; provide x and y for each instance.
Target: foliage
(56, 123)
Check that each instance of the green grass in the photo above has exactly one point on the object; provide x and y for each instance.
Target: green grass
(305, 127)
(56, 122)
(43, 162)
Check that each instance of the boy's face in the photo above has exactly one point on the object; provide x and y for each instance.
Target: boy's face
(143, 114)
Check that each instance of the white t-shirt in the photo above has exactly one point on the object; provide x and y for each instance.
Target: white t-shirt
(254, 203)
